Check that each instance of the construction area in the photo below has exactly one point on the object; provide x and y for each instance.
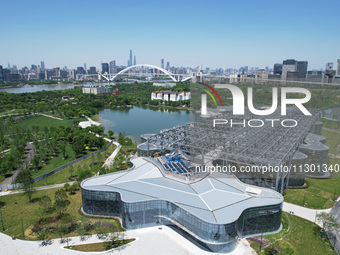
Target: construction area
(252, 142)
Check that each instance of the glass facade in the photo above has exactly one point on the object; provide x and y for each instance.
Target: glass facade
(215, 237)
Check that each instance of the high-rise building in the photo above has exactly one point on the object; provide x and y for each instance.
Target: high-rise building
(130, 59)
(85, 66)
(105, 68)
(338, 68)
(34, 67)
(81, 70)
(63, 74)
(294, 69)
(1, 74)
(92, 70)
(41, 76)
(288, 65)
(113, 67)
(134, 60)
(42, 66)
(301, 68)
(162, 63)
(277, 69)
(167, 65)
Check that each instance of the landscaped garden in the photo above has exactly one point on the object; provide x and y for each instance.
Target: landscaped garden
(297, 237)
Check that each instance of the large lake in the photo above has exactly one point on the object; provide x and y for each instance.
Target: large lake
(141, 120)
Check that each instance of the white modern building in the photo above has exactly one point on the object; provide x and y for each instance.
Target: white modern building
(170, 96)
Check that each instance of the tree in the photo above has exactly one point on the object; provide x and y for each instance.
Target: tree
(45, 203)
(42, 235)
(60, 201)
(272, 249)
(25, 177)
(111, 133)
(61, 231)
(78, 146)
(62, 145)
(82, 229)
(36, 162)
(83, 174)
(328, 222)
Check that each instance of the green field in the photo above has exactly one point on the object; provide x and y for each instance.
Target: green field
(332, 140)
(46, 121)
(332, 124)
(297, 237)
(64, 175)
(321, 193)
(55, 162)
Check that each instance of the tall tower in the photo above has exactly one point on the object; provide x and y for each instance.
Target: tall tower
(85, 66)
(134, 60)
(1, 74)
(338, 68)
(105, 68)
(113, 67)
(130, 59)
(162, 63)
(168, 66)
(42, 66)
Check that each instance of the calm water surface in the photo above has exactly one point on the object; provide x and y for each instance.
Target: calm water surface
(137, 120)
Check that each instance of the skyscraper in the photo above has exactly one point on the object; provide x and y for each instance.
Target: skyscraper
(1, 74)
(92, 70)
(42, 66)
(105, 68)
(338, 68)
(113, 67)
(301, 67)
(85, 66)
(295, 69)
(162, 63)
(134, 60)
(277, 69)
(130, 59)
(167, 65)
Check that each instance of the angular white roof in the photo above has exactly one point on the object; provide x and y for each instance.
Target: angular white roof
(218, 198)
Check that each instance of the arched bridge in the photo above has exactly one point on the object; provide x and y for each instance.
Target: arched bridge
(174, 77)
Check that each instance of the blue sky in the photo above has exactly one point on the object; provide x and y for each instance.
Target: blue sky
(186, 33)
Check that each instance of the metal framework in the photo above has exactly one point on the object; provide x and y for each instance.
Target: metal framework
(240, 144)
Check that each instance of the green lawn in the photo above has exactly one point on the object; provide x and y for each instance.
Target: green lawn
(298, 237)
(46, 121)
(55, 162)
(16, 207)
(321, 192)
(64, 175)
(332, 140)
(332, 124)
(319, 195)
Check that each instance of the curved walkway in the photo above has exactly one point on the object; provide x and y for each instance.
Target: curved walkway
(148, 241)
(303, 212)
(109, 161)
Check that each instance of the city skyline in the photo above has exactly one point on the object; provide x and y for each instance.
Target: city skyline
(191, 33)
